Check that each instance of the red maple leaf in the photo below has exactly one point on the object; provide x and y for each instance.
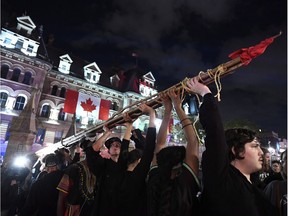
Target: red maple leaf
(88, 105)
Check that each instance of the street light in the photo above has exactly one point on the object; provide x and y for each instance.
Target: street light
(20, 161)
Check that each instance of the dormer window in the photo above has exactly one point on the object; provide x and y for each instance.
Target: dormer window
(30, 48)
(25, 24)
(146, 87)
(65, 64)
(7, 41)
(19, 44)
(149, 79)
(19, 40)
(92, 73)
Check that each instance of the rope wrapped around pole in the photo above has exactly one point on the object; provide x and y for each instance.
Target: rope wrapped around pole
(239, 58)
(153, 101)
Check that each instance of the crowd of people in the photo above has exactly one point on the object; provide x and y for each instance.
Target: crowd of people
(154, 179)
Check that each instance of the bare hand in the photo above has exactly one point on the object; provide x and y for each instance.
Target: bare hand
(127, 118)
(105, 153)
(146, 109)
(166, 101)
(175, 97)
(195, 86)
(106, 129)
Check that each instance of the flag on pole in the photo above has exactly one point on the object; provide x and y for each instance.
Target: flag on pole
(247, 54)
(83, 105)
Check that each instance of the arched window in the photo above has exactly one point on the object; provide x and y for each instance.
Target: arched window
(3, 99)
(16, 74)
(61, 115)
(63, 92)
(54, 90)
(4, 71)
(20, 102)
(45, 112)
(27, 78)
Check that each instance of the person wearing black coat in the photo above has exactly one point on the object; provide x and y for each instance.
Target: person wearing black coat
(227, 164)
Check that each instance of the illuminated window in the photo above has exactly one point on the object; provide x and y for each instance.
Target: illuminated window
(20, 102)
(45, 111)
(30, 48)
(58, 136)
(3, 99)
(7, 41)
(19, 44)
(61, 115)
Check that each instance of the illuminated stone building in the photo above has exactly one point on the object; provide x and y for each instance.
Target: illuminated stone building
(35, 78)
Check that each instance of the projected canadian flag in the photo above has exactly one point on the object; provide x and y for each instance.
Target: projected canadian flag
(84, 104)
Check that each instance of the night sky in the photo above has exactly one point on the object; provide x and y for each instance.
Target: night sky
(178, 39)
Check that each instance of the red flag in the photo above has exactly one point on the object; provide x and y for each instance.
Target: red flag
(104, 109)
(247, 54)
(70, 101)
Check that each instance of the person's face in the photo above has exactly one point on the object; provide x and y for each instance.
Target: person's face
(115, 148)
(253, 159)
(51, 169)
(276, 167)
(284, 164)
(267, 158)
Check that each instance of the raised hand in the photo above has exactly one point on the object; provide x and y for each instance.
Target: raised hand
(174, 95)
(166, 101)
(146, 109)
(196, 87)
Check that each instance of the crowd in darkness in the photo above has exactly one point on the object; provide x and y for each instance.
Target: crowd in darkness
(153, 179)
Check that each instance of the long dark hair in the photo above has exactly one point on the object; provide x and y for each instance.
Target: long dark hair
(160, 190)
(94, 161)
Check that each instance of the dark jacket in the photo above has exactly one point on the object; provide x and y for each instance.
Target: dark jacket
(131, 193)
(226, 191)
(109, 183)
(43, 196)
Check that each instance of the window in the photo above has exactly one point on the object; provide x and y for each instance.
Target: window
(45, 111)
(54, 90)
(27, 78)
(63, 67)
(30, 48)
(114, 106)
(20, 102)
(19, 44)
(63, 92)
(4, 71)
(61, 115)
(16, 74)
(3, 99)
(7, 41)
(58, 136)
